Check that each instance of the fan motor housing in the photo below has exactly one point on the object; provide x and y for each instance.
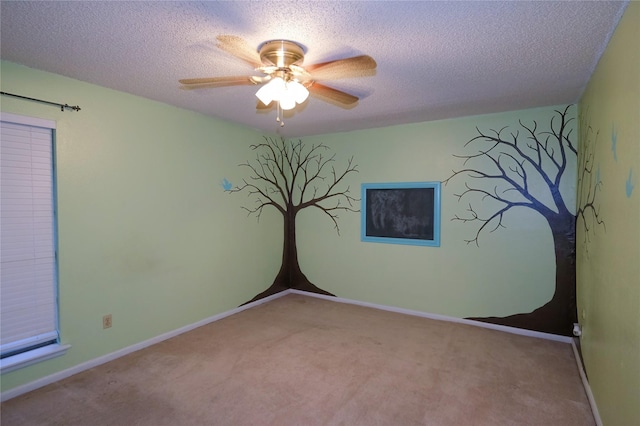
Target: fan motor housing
(281, 53)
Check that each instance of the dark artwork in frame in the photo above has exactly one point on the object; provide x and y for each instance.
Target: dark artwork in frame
(401, 213)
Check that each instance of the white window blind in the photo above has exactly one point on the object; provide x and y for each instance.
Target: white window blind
(28, 307)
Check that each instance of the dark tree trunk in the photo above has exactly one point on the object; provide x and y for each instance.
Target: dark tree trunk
(558, 315)
(290, 275)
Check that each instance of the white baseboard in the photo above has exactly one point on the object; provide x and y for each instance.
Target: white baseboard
(512, 330)
(585, 383)
(28, 387)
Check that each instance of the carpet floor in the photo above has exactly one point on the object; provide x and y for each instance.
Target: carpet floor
(300, 360)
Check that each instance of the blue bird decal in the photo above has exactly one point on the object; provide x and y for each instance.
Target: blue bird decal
(629, 185)
(226, 185)
(614, 141)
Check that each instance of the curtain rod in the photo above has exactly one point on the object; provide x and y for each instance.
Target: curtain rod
(62, 106)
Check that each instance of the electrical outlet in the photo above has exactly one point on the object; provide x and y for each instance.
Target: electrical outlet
(106, 321)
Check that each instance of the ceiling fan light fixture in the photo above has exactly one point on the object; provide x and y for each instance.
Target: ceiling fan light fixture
(288, 94)
(271, 91)
(287, 103)
(299, 92)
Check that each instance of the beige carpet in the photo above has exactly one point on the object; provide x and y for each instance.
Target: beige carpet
(301, 360)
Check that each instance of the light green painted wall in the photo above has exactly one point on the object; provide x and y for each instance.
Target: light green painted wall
(513, 270)
(146, 232)
(608, 260)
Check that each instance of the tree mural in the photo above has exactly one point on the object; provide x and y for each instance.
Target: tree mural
(291, 176)
(589, 181)
(525, 168)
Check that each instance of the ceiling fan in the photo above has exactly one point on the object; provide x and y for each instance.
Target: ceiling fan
(285, 81)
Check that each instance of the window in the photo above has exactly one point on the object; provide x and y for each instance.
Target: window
(28, 303)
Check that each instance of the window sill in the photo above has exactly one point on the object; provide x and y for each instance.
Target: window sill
(32, 357)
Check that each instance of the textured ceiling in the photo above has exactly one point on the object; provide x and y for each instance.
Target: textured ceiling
(435, 59)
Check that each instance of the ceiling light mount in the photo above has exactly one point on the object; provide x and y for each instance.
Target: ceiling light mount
(281, 53)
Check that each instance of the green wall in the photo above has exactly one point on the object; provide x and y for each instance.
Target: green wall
(608, 256)
(513, 270)
(145, 230)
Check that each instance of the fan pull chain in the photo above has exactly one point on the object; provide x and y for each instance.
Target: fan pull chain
(278, 111)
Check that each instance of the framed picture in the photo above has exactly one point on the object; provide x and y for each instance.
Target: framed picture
(401, 213)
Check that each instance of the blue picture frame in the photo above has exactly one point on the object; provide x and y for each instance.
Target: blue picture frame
(401, 213)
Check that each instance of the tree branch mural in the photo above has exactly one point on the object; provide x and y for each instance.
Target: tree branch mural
(291, 176)
(525, 168)
(589, 182)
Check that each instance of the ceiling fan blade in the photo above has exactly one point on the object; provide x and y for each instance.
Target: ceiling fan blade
(332, 95)
(196, 83)
(357, 66)
(239, 48)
